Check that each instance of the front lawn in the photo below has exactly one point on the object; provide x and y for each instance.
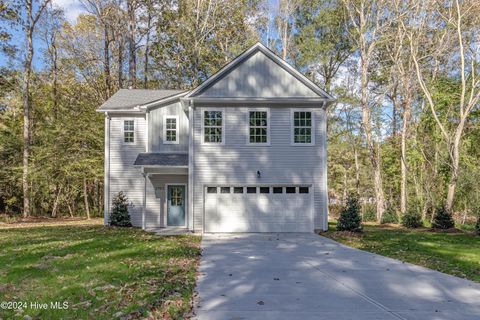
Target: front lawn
(98, 272)
(455, 253)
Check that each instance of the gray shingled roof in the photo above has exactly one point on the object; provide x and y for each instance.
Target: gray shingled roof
(161, 159)
(126, 99)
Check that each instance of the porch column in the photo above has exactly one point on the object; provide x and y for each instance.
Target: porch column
(144, 199)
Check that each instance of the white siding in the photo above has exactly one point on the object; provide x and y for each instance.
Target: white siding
(156, 129)
(260, 77)
(123, 175)
(280, 163)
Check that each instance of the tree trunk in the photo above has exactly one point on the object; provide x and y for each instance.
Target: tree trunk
(371, 145)
(120, 62)
(132, 64)
(403, 185)
(106, 63)
(357, 171)
(26, 110)
(147, 43)
(55, 203)
(85, 198)
(454, 172)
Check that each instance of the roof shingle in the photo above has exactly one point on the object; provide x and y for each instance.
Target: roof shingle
(161, 159)
(127, 99)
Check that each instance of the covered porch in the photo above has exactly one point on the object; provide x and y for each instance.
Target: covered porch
(165, 192)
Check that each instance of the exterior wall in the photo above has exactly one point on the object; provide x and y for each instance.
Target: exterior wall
(236, 162)
(123, 175)
(258, 76)
(156, 208)
(155, 130)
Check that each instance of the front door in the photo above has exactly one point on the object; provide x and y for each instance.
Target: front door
(176, 206)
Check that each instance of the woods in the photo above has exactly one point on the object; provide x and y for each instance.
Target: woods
(404, 133)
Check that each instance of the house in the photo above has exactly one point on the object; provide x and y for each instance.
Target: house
(243, 152)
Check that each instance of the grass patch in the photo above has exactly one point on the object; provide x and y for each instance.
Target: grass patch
(456, 253)
(101, 272)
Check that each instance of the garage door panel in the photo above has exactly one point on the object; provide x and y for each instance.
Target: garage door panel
(258, 212)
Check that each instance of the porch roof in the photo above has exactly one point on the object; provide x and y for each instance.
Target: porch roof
(156, 159)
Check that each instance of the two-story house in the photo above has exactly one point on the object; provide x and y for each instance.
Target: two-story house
(243, 152)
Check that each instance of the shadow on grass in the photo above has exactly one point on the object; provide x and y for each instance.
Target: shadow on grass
(102, 270)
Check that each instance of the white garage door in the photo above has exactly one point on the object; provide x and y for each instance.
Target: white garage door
(258, 209)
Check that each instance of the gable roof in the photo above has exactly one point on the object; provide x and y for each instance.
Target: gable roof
(307, 89)
(132, 99)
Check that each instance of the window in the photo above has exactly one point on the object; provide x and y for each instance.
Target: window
(258, 127)
(213, 126)
(302, 128)
(277, 189)
(211, 189)
(176, 197)
(224, 189)
(170, 129)
(237, 189)
(303, 190)
(129, 131)
(290, 189)
(264, 189)
(251, 189)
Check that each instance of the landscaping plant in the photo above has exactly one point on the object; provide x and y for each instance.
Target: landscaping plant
(442, 219)
(350, 219)
(477, 226)
(412, 220)
(119, 216)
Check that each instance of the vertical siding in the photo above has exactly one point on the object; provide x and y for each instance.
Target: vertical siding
(280, 163)
(123, 175)
(156, 208)
(258, 76)
(156, 129)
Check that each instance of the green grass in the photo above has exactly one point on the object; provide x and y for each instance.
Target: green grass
(457, 254)
(98, 271)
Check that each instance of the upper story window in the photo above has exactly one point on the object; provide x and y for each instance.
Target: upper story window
(213, 126)
(302, 128)
(259, 126)
(128, 131)
(170, 129)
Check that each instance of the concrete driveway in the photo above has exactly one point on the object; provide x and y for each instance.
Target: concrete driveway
(306, 276)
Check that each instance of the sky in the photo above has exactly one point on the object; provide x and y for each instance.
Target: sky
(72, 8)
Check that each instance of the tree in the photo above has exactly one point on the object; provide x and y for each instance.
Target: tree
(28, 25)
(119, 216)
(350, 219)
(285, 24)
(369, 19)
(442, 43)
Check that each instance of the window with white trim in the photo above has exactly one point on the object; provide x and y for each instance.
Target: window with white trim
(258, 126)
(302, 127)
(170, 129)
(213, 126)
(128, 131)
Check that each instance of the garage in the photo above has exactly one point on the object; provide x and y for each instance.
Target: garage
(258, 208)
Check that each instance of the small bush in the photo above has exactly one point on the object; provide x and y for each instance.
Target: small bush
(390, 216)
(412, 220)
(369, 212)
(350, 219)
(119, 216)
(477, 226)
(442, 219)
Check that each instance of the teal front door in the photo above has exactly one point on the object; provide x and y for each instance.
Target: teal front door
(176, 206)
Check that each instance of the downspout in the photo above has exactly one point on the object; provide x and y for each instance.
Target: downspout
(191, 122)
(145, 175)
(325, 167)
(106, 187)
(147, 131)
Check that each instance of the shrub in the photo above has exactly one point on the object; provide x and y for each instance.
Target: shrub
(350, 219)
(119, 216)
(369, 212)
(477, 226)
(412, 220)
(442, 219)
(390, 216)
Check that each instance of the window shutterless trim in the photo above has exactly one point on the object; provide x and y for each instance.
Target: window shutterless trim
(124, 131)
(222, 110)
(292, 127)
(267, 110)
(165, 118)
